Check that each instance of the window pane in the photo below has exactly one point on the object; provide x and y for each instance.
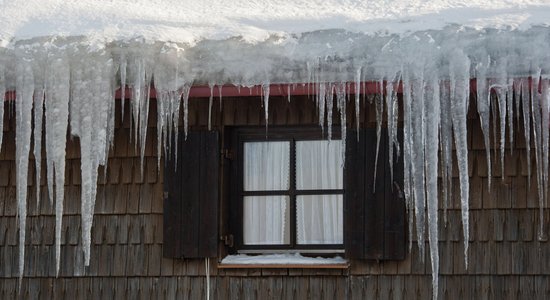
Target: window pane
(319, 219)
(266, 220)
(319, 165)
(266, 166)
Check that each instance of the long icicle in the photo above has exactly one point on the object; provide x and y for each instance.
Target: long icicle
(57, 120)
(460, 90)
(25, 90)
(431, 149)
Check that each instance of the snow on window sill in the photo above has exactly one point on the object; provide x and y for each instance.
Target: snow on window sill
(282, 261)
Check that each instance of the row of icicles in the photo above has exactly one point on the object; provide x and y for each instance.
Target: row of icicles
(81, 98)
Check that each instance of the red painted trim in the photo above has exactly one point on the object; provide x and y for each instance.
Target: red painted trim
(300, 89)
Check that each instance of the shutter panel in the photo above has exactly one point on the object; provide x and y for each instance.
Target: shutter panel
(354, 191)
(374, 214)
(191, 197)
(394, 217)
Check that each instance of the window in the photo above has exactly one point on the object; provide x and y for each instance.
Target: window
(290, 193)
(350, 210)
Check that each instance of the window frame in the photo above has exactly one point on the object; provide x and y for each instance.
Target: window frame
(292, 134)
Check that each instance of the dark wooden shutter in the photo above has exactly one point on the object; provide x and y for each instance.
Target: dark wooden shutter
(374, 211)
(191, 197)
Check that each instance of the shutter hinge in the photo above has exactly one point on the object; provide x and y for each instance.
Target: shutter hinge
(227, 240)
(165, 194)
(227, 154)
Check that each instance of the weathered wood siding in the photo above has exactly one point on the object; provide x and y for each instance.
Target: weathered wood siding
(507, 260)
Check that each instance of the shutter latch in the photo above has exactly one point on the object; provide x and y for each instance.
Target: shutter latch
(227, 154)
(227, 240)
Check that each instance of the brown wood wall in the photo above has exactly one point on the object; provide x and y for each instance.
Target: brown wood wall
(507, 260)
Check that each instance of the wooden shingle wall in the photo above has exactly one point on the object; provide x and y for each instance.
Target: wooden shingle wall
(507, 259)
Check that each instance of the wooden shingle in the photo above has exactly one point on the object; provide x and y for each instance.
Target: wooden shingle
(5, 169)
(120, 257)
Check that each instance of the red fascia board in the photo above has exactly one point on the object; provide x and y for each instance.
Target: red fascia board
(281, 90)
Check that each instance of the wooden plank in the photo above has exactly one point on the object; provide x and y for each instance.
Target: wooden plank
(394, 202)
(208, 197)
(132, 206)
(10, 205)
(156, 201)
(145, 198)
(127, 167)
(134, 230)
(5, 168)
(120, 260)
(189, 156)
(152, 169)
(114, 170)
(121, 199)
(374, 199)
(354, 211)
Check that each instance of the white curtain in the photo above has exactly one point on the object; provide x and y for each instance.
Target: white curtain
(266, 220)
(319, 217)
(266, 168)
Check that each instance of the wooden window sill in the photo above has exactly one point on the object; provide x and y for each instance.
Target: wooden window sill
(283, 266)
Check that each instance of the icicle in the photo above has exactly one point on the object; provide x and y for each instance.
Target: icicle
(207, 272)
(288, 93)
(357, 100)
(418, 156)
(445, 136)
(526, 108)
(431, 152)
(408, 146)
(220, 88)
(186, 89)
(392, 112)
(510, 112)
(321, 90)
(25, 89)
(2, 101)
(460, 90)
(162, 119)
(143, 119)
(341, 104)
(484, 112)
(210, 101)
(57, 119)
(265, 91)
(545, 110)
(38, 112)
(379, 106)
(329, 102)
(138, 70)
(93, 98)
(501, 98)
(501, 90)
(123, 65)
(536, 114)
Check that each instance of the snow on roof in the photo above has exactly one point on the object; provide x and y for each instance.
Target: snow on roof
(254, 20)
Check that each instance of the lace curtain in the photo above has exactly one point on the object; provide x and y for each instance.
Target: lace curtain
(319, 218)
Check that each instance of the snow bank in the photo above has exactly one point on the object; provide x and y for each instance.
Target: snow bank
(281, 259)
(254, 20)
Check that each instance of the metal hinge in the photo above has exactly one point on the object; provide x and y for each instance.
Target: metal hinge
(227, 240)
(227, 154)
